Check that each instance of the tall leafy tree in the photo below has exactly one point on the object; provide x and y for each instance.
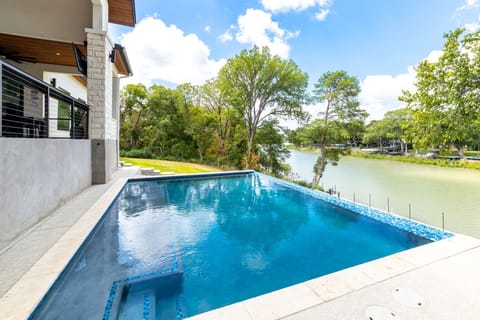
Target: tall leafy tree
(338, 91)
(260, 87)
(214, 102)
(201, 126)
(271, 148)
(133, 109)
(445, 106)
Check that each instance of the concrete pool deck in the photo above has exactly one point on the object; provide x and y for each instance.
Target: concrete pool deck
(442, 276)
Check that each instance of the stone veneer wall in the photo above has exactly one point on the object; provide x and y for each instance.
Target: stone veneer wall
(103, 128)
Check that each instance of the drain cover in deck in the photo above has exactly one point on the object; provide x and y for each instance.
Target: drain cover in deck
(408, 297)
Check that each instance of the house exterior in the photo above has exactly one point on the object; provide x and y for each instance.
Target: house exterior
(60, 73)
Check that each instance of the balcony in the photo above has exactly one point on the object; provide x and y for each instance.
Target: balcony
(31, 108)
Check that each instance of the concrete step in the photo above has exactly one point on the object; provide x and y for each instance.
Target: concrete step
(122, 164)
(167, 173)
(147, 171)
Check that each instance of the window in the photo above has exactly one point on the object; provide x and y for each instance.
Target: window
(63, 115)
(63, 122)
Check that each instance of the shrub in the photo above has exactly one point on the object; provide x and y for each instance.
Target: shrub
(138, 153)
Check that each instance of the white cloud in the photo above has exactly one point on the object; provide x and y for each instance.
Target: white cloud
(380, 92)
(472, 27)
(207, 28)
(292, 5)
(226, 36)
(322, 15)
(469, 4)
(434, 56)
(164, 53)
(257, 27)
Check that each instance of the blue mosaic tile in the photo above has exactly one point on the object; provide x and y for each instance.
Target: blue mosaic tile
(146, 306)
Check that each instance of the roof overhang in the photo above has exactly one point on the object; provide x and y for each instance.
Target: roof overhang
(20, 49)
(122, 12)
(121, 61)
(38, 50)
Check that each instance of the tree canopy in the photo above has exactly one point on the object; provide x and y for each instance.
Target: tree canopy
(444, 107)
(393, 126)
(259, 87)
(231, 120)
(338, 91)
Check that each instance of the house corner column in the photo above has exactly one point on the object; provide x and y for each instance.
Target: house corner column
(103, 128)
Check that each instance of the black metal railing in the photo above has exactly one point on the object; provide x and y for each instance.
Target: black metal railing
(31, 108)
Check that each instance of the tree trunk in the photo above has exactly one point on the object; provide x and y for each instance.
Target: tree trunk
(321, 164)
(249, 153)
(320, 167)
(460, 151)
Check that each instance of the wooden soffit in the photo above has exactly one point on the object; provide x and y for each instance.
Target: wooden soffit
(18, 48)
(23, 49)
(122, 12)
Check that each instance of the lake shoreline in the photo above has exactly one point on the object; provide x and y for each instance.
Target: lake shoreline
(463, 164)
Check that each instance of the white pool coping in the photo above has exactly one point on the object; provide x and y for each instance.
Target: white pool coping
(22, 298)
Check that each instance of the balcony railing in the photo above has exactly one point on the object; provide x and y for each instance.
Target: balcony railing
(31, 108)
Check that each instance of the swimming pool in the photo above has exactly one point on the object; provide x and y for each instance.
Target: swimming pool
(171, 248)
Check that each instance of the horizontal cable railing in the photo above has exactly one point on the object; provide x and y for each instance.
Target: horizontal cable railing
(31, 108)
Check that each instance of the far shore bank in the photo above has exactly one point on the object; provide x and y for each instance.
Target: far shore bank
(466, 164)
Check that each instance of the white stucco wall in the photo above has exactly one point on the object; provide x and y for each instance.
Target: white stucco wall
(76, 90)
(60, 20)
(67, 82)
(37, 176)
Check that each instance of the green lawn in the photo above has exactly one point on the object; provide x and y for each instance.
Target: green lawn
(173, 166)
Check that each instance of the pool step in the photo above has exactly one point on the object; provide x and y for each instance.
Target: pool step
(139, 297)
(138, 305)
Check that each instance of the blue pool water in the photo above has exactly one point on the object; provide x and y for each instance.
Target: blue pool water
(168, 249)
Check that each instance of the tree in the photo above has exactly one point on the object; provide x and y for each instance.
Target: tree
(133, 108)
(259, 87)
(444, 106)
(271, 148)
(201, 127)
(339, 92)
(391, 128)
(215, 104)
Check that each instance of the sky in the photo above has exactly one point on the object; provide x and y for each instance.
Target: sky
(378, 41)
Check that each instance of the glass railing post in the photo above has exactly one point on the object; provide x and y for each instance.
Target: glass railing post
(72, 119)
(1, 96)
(46, 115)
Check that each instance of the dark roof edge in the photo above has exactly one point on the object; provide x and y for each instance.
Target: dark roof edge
(134, 13)
(123, 53)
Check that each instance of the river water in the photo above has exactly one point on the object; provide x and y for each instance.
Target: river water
(393, 186)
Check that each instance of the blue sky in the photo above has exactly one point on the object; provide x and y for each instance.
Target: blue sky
(378, 41)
